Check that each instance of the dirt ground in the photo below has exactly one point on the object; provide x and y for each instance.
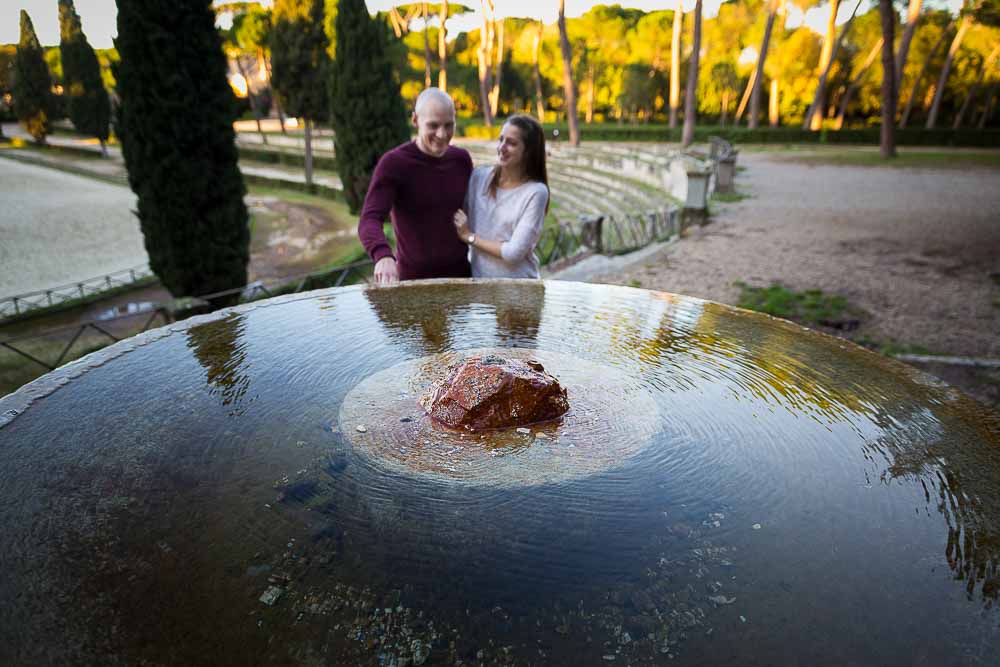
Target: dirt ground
(291, 238)
(918, 249)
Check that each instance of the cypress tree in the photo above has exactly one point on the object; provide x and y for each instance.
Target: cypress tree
(175, 123)
(32, 84)
(367, 111)
(89, 106)
(300, 64)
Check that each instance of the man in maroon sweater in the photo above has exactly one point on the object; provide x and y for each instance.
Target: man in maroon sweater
(419, 185)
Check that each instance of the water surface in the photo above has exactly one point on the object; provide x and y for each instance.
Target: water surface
(765, 495)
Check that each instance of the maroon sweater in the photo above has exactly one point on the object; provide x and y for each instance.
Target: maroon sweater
(421, 193)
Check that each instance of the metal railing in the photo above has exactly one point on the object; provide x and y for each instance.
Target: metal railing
(12, 306)
(607, 234)
(22, 345)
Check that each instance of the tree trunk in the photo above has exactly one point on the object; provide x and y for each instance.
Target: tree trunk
(817, 106)
(774, 106)
(484, 86)
(987, 108)
(396, 20)
(497, 69)
(691, 93)
(443, 48)
(425, 12)
(568, 87)
(912, 18)
(920, 77)
(761, 59)
(946, 70)
(725, 108)
(745, 100)
(887, 137)
(774, 100)
(589, 115)
(966, 103)
(253, 101)
(274, 97)
(484, 56)
(825, 61)
(675, 64)
(852, 87)
(309, 155)
(539, 95)
(987, 64)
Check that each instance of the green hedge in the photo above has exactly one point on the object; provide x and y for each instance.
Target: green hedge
(765, 135)
(296, 159)
(317, 189)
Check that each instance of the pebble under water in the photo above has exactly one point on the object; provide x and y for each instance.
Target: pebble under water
(260, 487)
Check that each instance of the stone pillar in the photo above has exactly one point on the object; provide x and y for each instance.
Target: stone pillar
(726, 173)
(696, 202)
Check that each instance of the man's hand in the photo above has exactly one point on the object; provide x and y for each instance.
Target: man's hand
(386, 272)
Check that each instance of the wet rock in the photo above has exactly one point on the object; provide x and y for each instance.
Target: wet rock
(271, 595)
(420, 652)
(721, 600)
(495, 392)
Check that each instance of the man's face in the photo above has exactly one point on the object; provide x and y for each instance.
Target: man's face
(435, 127)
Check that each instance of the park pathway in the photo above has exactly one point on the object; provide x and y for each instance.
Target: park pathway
(58, 228)
(917, 248)
(113, 168)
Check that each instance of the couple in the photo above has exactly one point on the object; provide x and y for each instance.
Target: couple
(450, 220)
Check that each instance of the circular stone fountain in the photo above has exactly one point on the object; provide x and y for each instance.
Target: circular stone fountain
(261, 486)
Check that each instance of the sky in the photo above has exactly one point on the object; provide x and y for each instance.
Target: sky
(99, 15)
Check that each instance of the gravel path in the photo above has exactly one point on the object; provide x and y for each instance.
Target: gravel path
(918, 249)
(58, 228)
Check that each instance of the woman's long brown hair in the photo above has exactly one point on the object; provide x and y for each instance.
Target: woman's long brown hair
(533, 137)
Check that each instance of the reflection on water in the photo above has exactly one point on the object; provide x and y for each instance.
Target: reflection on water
(218, 348)
(200, 499)
(960, 482)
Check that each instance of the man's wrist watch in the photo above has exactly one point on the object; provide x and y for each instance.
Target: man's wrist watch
(471, 239)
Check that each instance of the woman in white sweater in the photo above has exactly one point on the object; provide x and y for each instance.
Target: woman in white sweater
(505, 204)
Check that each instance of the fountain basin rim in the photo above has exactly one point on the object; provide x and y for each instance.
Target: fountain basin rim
(17, 403)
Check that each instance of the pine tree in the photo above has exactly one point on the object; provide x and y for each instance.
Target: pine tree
(32, 84)
(367, 111)
(89, 106)
(175, 123)
(300, 64)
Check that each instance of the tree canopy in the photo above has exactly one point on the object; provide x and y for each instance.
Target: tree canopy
(176, 128)
(32, 88)
(88, 104)
(368, 115)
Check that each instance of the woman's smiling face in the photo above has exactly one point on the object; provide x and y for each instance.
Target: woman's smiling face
(510, 147)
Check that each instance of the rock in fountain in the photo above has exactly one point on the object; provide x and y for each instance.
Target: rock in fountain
(492, 392)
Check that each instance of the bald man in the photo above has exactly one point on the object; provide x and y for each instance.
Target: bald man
(419, 186)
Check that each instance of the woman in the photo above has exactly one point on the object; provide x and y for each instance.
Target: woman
(505, 204)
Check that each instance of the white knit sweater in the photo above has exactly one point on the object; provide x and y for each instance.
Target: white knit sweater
(514, 218)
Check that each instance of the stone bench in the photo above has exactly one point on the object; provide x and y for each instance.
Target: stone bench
(724, 155)
(692, 181)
